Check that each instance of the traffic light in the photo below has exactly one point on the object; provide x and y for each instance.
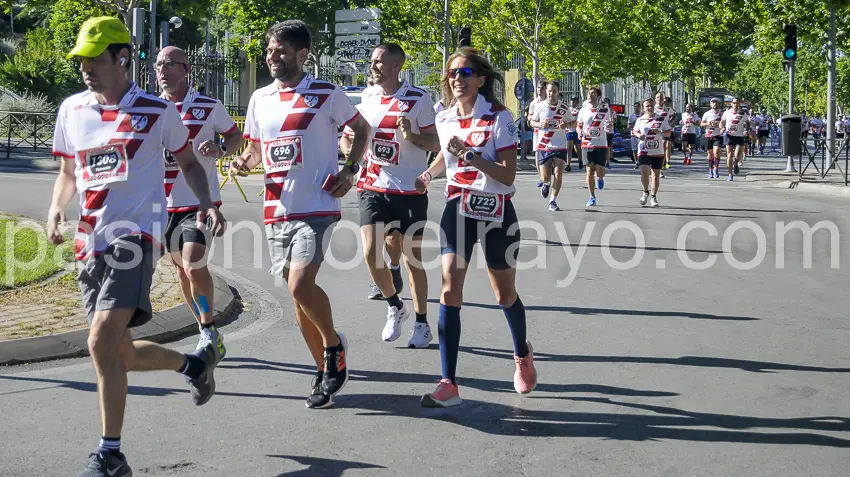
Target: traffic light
(143, 54)
(790, 51)
(465, 36)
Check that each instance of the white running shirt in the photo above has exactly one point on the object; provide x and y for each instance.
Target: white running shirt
(713, 118)
(689, 123)
(117, 153)
(393, 163)
(297, 131)
(592, 126)
(204, 117)
(735, 123)
(554, 138)
(653, 144)
(489, 130)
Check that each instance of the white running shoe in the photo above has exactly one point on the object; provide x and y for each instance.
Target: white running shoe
(395, 318)
(553, 206)
(653, 202)
(643, 198)
(421, 336)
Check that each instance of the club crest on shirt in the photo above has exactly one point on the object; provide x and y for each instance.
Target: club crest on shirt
(403, 106)
(311, 101)
(512, 129)
(198, 113)
(138, 122)
(477, 138)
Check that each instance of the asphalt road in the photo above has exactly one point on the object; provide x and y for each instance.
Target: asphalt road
(648, 368)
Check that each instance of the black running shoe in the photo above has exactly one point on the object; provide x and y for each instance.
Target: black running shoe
(317, 398)
(736, 169)
(398, 281)
(336, 367)
(107, 464)
(203, 387)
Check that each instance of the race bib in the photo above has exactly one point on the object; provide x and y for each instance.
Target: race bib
(593, 131)
(552, 123)
(652, 144)
(482, 205)
(104, 165)
(385, 153)
(168, 158)
(284, 154)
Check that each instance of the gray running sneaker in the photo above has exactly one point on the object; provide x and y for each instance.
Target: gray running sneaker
(107, 464)
(375, 292)
(203, 387)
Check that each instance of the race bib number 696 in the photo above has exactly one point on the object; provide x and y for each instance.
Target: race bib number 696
(284, 154)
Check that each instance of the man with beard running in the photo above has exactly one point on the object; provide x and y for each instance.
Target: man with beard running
(592, 125)
(713, 137)
(291, 125)
(736, 123)
(402, 122)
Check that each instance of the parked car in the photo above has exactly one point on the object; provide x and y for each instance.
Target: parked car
(354, 94)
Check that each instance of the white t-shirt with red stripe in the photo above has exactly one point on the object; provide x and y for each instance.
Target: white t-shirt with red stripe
(574, 112)
(552, 138)
(689, 122)
(297, 131)
(118, 157)
(393, 163)
(532, 110)
(736, 123)
(489, 130)
(713, 118)
(204, 117)
(593, 124)
(653, 143)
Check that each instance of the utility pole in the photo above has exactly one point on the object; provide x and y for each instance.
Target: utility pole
(152, 52)
(446, 32)
(830, 86)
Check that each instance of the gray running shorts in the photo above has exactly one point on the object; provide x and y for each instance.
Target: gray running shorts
(298, 241)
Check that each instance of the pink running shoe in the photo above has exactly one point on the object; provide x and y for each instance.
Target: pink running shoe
(525, 376)
(446, 395)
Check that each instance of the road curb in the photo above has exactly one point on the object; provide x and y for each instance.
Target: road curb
(167, 325)
(45, 165)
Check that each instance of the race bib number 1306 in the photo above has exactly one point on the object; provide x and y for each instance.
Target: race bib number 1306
(104, 165)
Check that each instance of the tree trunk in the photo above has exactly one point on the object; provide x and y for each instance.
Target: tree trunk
(535, 67)
(692, 89)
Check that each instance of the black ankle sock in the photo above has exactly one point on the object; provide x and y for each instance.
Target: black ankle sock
(208, 325)
(111, 444)
(422, 317)
(193, 367)
(395, 301)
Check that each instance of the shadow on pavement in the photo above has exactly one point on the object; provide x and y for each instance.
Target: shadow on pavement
(323, 467)
(666, 422)
(695, 361)
(577, 310)
(575, 246)
(650, 212)
(476, 383)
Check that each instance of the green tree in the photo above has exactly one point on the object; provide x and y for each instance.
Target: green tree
(38, 67)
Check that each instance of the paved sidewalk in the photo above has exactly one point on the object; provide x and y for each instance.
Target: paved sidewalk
(56, 307)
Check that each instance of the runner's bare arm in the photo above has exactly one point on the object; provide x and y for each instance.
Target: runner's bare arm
(362, 133)
(63, 191)
(345, 143)
(249, 159)
(233, 140)
(426, 140)
(437, 167)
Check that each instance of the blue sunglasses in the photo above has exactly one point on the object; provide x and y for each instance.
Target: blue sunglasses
(462, 72)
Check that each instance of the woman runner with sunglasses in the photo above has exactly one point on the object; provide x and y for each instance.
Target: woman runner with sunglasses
(478, 154)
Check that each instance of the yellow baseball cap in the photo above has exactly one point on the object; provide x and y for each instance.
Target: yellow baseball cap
(98, 33)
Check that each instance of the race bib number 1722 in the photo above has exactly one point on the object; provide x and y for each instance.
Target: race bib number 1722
(482, 205)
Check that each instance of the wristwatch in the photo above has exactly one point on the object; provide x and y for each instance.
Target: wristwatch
(222, 149)
(467, 156)
(352, 166)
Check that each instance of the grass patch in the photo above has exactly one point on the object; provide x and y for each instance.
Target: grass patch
(26, 256)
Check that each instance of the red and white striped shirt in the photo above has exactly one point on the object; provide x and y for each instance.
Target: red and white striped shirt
(393, 163)
(204, 117)
(489, 130)
(117, 153)
(297, 131)
(593, 125)
(553, 138)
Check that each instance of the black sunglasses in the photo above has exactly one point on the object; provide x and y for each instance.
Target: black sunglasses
(462, 72)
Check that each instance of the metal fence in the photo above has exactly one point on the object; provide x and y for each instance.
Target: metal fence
(216, 75)
(23, 130)
(815, 153)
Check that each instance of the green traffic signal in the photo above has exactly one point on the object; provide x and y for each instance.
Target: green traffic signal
(790, 54)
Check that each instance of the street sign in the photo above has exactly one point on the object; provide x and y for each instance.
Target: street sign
(363, 27)
(358, 47)
(357, 15)
(524, 89)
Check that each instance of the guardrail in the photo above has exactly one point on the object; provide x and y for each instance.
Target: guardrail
(814, 149)
(26, 130)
